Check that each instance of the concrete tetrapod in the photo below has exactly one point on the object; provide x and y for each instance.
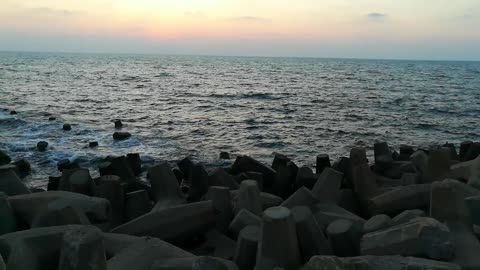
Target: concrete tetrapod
(246, 250)
(278, 245)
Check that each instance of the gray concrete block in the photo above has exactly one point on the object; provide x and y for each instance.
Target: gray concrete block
(248, 164)
(274, 250)
(164, 183)
(323, 161)
(198, 179)
(195, 263)
(310, 236)
(77, 180)
(344, 238)
(220, 177)
(305, 177)
(60, 212)
(8, 222)
(242, 219)
(113, 189)
(246, 249)
(326, 213)
(283, 185)
(137, 203)
(172, 224)
(215, 244)
(466, 246)
(400, 199)
(303, 196)
(222, 202)
(448, 201)
(422, 237)
(364, 181)
(383, 155)
(11, 184)
(28, 206)
(248, 198)
(83, 250)
(377, 223)
(438, 165)
(420, 160)
(407, 216)
(327, 187)
(474, 179)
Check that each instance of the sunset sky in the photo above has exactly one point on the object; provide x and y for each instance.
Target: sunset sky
(398, 29)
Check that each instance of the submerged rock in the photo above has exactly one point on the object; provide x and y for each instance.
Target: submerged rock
(42, 146)
(4, 158)
(67, 127)
(121, 136)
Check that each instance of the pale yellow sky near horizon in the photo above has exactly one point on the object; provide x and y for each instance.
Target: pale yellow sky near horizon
(391, 21)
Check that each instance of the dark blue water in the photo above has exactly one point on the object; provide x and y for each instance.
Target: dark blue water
(191, 105)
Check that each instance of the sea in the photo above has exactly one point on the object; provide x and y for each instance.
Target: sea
(199, 106)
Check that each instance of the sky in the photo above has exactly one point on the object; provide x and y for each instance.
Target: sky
(386, 29)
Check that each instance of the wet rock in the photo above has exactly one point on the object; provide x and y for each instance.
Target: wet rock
(4, 158)
(66, 164)
(448, 201)
(53, 182)
(323, 161)
(13, 112)
(135, 163)
(377, 223)
(10, 184)
(310, 236)
(67, 127)
(422, 237)
(400, 199)
(246, 249)
(42, 146)
(118, 124)
(407, 216)
(376, 263)
(249, 198)
(222, 202)
(28, 206)
(284, 179)
(83, 250)
(220, 177)
(52, 118)
(274, 250)
(248, 164)
(120, 136)
(92, 144)
(8, 222)
(243, 219)
(172, 224)
(305, 177)
(23, 166)
(144, 253)
(344, 238)
(303, 196)
(327, 187)
(137, 203)
(224, 155)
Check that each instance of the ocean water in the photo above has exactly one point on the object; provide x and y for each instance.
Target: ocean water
(198, 106)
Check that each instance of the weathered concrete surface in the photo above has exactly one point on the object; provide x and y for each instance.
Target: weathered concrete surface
(27, 206)
(198, 179)
(420, 160)
(303, 196)
(246, 250)
(248, 198)
(344, 238)
(310, 236)
(83, 250)
(113, 189)
(11, 185)
(242, 219)
(376, 263)
(448, 201)
(141, 255)
(274, 250)
(323, 161)
(377, 223)
(195, 263)
(283, 185)
(466, 246)
(407, 216)
(327, 187)
(77, 180)
(222, 202)
(422, 237)
(364, 181)
(305, 177)
(172, 224)
(8, 221)
(137, 203)
(220, 177)
(33, 249)
(327, 213)
(215, 244)
(438, 165)
(248, 164)
(400, 199)
(60, 212)
(474, 179)
(164, 183)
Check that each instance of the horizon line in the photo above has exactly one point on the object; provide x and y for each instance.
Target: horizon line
(227, 55)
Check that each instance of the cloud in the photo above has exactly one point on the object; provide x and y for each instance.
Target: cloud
(249, 19)
(47, 10)
(376, 16)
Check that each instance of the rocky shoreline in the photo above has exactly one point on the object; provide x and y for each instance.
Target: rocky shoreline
(407, 210)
